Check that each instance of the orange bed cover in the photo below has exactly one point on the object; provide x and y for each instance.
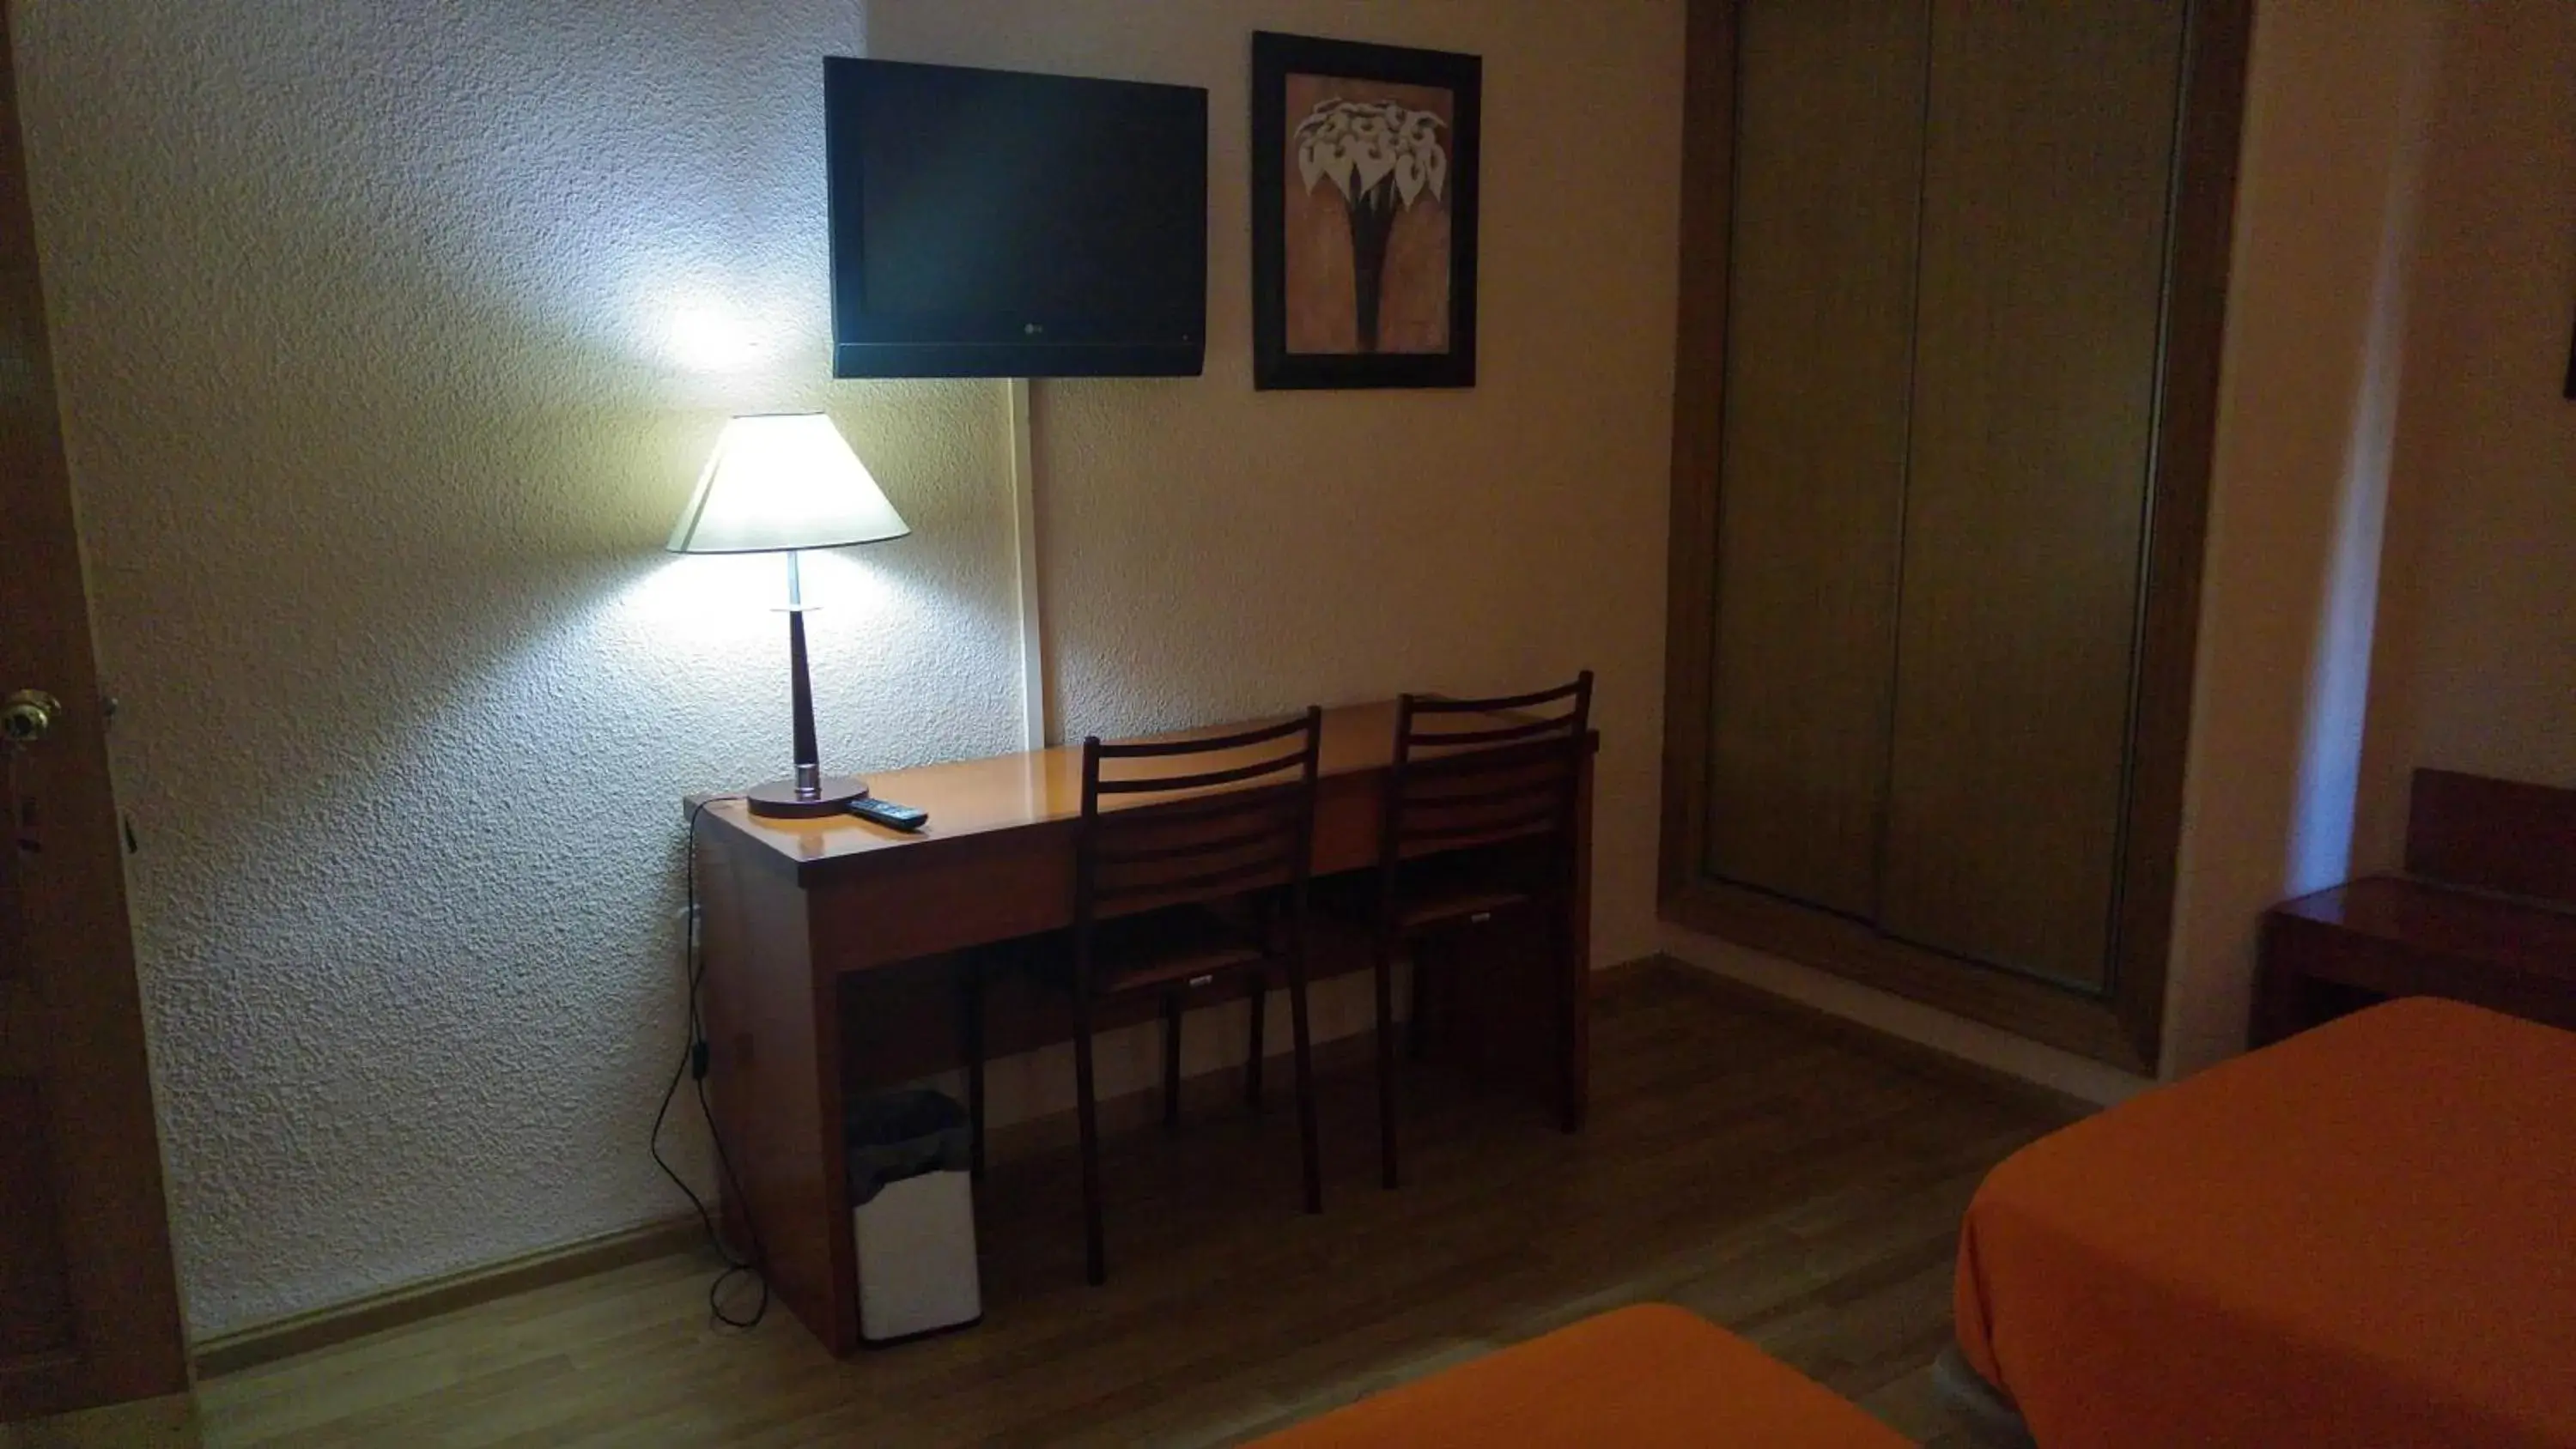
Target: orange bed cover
(1652, 1377)
(2363, 1235)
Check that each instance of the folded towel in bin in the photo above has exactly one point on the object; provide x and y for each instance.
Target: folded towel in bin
(896, 1135)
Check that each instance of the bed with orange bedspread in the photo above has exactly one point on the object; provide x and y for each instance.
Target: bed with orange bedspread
(2365, 1235)
(1650, 1377)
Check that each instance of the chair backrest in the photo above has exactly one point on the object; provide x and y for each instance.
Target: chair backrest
(1471, 772)
(1241, 818)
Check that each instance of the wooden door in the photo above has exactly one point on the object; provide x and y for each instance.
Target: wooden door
(89, 1305)
(1820, 345)
(1953, 291)
(2035, 375)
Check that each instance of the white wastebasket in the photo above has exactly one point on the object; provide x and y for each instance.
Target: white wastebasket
(914, 1219)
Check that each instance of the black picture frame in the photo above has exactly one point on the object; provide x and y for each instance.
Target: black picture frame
(1276, 57)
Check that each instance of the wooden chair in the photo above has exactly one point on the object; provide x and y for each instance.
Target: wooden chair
(1469, 773)
(1179, 896)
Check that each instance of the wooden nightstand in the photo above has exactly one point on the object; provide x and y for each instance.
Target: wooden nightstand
(2486, 913)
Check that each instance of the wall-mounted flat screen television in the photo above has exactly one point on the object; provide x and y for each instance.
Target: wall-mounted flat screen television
(993, 224)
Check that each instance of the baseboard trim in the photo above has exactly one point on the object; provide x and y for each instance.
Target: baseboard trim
(1888, 1016)
(167, 1422)
(1606, 979)
(264, 1343)
(243, 1348)
(1887, 1045)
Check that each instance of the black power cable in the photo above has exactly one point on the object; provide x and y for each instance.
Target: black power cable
(693, 1064)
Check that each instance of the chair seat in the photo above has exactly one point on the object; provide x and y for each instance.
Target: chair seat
(1170, 947)
(1464, 902)
(1446, 889)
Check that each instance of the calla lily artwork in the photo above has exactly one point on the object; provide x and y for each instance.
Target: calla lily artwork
(1364, 214)
(1382, 157)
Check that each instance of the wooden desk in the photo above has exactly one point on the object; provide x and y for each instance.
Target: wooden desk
(831, 965)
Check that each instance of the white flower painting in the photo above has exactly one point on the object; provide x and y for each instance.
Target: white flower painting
(1382, 157)
(1364, 213)
(1360, 145)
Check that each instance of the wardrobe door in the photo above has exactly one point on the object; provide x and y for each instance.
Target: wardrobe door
(1826, 193)
(2048, 161)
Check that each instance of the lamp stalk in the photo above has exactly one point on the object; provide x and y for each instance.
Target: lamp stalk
(800, 687)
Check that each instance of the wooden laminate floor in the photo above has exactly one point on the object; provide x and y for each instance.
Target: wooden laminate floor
(1785, 1179)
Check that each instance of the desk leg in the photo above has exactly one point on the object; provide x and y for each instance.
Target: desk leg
(1382, 967)
(1260, 1007)
(1172, 1013)
(1506, 1000)
(974, 1032)
(773, 1034)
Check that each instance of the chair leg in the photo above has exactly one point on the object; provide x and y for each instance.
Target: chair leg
(1385, 964)
(1569, 982)
(1417, 1022)
(1252, 1053)
(975, 1069)
(1304, 1052)
(1096, 1257)
(1171, 1059)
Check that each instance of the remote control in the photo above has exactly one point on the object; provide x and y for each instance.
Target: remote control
(889, 814)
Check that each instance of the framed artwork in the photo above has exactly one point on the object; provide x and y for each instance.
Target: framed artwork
(1363, 214)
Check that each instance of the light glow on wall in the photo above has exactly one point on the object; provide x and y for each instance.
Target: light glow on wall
(709, 337)
(2319, 845)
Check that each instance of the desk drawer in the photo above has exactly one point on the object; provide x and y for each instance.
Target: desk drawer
(937, 901)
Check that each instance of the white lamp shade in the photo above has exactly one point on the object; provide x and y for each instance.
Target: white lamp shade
(782, 481)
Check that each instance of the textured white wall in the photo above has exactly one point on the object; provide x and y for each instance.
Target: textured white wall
(2390, 525)
(2476, 667)
(1210, 551)
(2326, 221)
(390, 339)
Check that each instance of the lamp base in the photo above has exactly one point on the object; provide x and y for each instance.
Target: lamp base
(778, 799)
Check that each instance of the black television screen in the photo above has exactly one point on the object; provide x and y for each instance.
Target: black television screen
(992, 224)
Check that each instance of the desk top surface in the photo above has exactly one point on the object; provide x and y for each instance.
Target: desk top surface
(1006, 792)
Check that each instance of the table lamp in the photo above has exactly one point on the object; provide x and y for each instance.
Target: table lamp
(779, 483)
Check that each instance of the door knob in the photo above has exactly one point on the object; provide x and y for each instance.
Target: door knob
(28, 716)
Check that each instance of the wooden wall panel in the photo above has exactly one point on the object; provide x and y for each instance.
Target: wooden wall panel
(2048, 162)
(35, 1296)
(1827, 189)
